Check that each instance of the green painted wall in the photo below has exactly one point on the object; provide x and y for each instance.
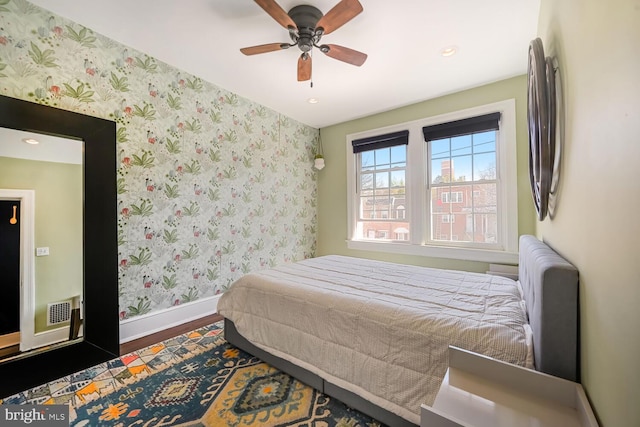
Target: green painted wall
(332, 181)
(596, 226)
(58, 226)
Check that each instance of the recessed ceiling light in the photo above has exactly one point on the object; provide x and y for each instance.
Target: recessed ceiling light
(313, 100)
(31, 141)
(449, 51)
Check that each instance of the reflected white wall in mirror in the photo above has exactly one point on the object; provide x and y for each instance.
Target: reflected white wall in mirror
(52, 172)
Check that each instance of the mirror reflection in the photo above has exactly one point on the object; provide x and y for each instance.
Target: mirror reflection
(41, 242)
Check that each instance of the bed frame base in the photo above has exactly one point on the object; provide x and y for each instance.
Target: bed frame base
(351, 399)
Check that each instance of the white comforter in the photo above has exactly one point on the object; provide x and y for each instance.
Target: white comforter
(378, 329)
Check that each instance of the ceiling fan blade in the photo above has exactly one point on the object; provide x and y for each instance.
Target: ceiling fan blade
(263, 48)
(304, 67)
(277, 13)
(344, 54)
(341, 13)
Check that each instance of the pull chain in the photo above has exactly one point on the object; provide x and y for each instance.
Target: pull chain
(311, 57)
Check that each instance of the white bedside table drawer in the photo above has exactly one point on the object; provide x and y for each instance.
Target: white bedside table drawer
(479, 391)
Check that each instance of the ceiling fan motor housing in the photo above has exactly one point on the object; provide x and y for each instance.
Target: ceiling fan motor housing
(306, 18)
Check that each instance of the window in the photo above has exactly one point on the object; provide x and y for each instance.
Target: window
(442, 186)
(382, 162)
(462, 156)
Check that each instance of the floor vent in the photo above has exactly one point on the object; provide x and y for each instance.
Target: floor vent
(58, 312)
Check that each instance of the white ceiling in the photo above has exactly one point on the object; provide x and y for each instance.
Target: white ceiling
(49, 148)
(403, 39)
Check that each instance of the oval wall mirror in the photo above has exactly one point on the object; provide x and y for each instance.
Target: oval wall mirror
(544, 114)
(538, 121)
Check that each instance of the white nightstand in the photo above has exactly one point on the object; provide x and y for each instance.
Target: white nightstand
(479, 391)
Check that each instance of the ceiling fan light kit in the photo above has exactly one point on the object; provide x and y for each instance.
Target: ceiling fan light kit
(306, 25)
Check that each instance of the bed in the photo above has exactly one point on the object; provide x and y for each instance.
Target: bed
(375, 335)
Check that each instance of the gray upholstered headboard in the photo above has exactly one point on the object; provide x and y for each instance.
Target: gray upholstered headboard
(550, 285)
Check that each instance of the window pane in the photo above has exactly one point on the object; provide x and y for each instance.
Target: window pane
(367, 213)
(485, 198)
(440, 149)
(382, 157)
(397, 181)
(382, 180)
(481, 228)
(484, 166)
(441, 171)
(399, 156)
(461, 145)
(366, 207)
(366, 181)
(367, 159)
(484, 141)
(366, 193)
(439, 198)
(461, 168)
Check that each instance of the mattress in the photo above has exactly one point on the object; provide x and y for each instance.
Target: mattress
(378, 329)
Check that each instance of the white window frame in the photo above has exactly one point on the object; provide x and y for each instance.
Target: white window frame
(417, 185)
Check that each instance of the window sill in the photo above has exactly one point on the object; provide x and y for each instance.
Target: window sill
(465, 254)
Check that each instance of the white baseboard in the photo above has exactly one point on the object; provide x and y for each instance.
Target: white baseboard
(50, 337)
(140, 326)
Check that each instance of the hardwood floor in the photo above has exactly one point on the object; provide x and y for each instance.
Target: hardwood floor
(134, 345)
(10, 351)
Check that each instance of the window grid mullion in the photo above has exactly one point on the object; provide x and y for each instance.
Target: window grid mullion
(473, 173)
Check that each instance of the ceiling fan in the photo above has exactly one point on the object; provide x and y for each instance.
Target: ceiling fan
(306, 25)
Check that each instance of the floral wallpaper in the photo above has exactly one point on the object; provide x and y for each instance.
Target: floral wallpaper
(210, 185)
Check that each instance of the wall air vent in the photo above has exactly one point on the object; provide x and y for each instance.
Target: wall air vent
(58, 312)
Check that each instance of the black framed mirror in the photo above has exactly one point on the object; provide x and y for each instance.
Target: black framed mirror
(100, 323)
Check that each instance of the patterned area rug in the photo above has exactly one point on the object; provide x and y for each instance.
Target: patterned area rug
(196, 379)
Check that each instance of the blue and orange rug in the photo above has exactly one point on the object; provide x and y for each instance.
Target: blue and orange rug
(197, 380)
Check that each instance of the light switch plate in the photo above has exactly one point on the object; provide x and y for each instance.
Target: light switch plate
(42, 251)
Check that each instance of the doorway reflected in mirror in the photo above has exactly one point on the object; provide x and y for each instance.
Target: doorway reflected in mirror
(10, 273)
